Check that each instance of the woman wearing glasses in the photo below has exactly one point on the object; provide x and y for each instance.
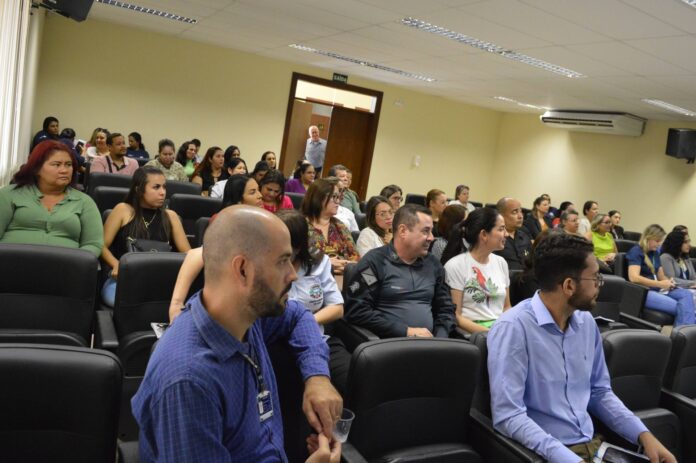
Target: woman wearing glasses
(645, 269)
(675, 259)
(379, 221)
(326, 232)
(394, 194)
(602, 239)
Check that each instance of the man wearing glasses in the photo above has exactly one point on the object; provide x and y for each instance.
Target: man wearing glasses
(546, 365)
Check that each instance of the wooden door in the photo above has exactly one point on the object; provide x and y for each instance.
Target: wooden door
(297, 135)
(349, 144)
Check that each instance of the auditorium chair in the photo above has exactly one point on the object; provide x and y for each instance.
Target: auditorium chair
(632, 236)
(361, 220)
(476, 204)
(411, 398)
(47, 294)
(491, 205)
(495, 447)
(680, 384)
(623, 302)
(199, 228)
(58, 404)
(296, 199)
(97, 179)
(415, 199)
(107, 197)
(363, 206)
(637, 361)
(192, 207)
(355, 235)
(184, 188)
(624, 245)
(144, 290)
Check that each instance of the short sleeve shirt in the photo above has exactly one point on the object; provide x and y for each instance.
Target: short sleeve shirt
(636, 256)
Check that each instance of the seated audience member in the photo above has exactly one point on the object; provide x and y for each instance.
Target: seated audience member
(452, 215)
(96, 146)
(235, 166)
(400, 289)
(565, 206)
(617, 231)
(209, 393)
(349, 182)
(273, 191)
(436, 201)
(232, 151)
(67, 137)
(344, 214)
(186, 156)
(50, 131)
(349, 199)
(674, 257)
(537, 220)
(211, 170)
(270, 158)
(601, 239)
(302, 177)
(518, 244)
(645, 268)
(590, 210)
(379, 225)
(546, 364)
(165, 162)
(260, 170)
(41, 206)
(394, 194)
(116, 162)
(142, 216)
(479, 280)
(136, 149)
(197, 143)
(552, 212)
(681, 228)
(461, 194)
(326, 233)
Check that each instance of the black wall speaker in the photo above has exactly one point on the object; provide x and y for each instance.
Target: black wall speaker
(73, 9)
(681, 143)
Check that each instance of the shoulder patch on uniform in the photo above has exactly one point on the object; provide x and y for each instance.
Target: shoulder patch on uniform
(368, 277)
(354, 287)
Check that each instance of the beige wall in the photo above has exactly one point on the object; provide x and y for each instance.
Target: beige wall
(97, 74)
(631, 174)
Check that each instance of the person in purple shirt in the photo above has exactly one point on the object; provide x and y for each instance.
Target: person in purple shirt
(301, 179)
(209, 391)
(546, 365)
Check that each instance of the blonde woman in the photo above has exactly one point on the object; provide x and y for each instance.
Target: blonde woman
(602, 239)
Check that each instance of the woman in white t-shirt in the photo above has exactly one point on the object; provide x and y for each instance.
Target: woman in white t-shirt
(479, 280)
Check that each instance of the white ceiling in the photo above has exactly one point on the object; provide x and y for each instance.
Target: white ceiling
(628, 49)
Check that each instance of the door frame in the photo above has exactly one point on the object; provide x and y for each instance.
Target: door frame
(372, 132)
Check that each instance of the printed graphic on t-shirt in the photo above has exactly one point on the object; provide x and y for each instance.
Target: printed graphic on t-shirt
(480, 288)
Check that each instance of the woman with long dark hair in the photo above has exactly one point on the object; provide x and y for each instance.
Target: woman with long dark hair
(136, 148)
(210, 171)
(394, 194)
(378, 232)
(141, 216)
(303, 176)
(273, 190)
(186, 156)
(675, 260)
(537, 220)
(234, 166)
(478, 279)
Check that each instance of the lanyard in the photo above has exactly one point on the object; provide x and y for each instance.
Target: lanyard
(252, 360)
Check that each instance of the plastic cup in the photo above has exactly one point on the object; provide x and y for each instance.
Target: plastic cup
(342, 426)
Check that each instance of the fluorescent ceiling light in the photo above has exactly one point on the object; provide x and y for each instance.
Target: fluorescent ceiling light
(690, 2)
(519, 103)
(152, 11)
(361, 62)
(490, 47)
(669, 107)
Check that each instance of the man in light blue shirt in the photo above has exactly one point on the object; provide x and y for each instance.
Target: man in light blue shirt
(315, 150)
(546, 364)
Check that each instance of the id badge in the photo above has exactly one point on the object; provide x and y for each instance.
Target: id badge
(263, 400)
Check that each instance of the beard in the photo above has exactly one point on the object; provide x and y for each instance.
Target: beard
(266, 303)
(583, 302)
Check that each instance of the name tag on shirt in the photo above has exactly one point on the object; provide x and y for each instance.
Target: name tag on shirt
(263, 400)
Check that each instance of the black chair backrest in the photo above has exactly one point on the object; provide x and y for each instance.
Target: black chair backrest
(363, 206)
(47, 288)
(621, 265)
(145, 284)
(609, 298)
(97, 179)
(361, 220)
(624, 245)
(192, 207)
(482, 396)
(415, 199)
(681, 370)
(476, 203)
(200, 227)
(491, 205)
(107, 197)
(186, 188)
(58, 403)
(349, 274)
(632, 236)
(522, 286)
(637, 360)
(296, 199)
(692, 252)
(355, 235)
(406, 391)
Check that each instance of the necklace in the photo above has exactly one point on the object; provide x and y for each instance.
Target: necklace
(148, 222)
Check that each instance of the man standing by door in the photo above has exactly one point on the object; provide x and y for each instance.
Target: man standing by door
(316, 149)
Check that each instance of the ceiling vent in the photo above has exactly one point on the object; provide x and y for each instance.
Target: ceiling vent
(597, 122)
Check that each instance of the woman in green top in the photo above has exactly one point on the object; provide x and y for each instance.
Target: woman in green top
(602, 240)
(42, 207)
(186, 156)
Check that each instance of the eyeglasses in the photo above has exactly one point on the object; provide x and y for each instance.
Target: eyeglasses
(599, 281)
(398, 198)
(384, 214)
(336, 197)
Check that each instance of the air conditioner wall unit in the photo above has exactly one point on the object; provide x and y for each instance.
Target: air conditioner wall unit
(598, 122)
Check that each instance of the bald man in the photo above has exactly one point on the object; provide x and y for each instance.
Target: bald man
(518, 244)
(209, 392)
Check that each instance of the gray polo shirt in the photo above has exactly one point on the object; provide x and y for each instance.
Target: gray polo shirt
(315, 152)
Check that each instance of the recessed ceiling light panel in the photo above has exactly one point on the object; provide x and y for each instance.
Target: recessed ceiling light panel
(490, 47)
(152, 11)
(519, 103)
(361, 62)
(670, 107)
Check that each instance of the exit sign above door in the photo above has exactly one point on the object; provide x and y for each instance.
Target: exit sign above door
(340, 78)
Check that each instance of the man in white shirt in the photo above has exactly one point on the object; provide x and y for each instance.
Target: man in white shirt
(316, 149)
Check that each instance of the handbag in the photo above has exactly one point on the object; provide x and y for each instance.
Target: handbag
(142, 245)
